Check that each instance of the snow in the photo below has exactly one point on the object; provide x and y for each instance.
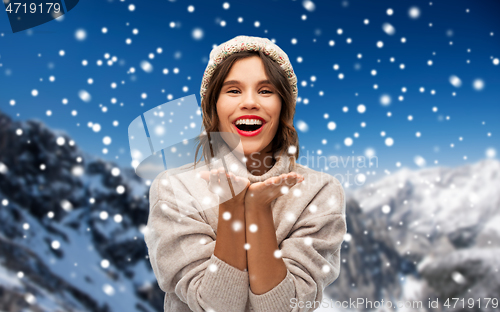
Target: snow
(76, 246)
(8, 279)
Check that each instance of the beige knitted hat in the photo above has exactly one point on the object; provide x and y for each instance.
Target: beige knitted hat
(248, 43)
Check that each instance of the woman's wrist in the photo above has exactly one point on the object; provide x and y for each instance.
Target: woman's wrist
(232, 205)
(252, 206)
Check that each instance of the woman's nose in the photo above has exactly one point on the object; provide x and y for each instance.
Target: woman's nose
(250, 100)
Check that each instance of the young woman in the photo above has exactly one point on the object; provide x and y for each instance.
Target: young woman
(272, 240)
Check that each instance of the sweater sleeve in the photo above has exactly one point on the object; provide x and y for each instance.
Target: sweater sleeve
(181, 251)
(311, 254)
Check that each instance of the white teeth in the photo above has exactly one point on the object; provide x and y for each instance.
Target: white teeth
(248, 122)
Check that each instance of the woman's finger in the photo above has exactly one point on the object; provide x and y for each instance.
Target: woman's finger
(239, 183)
(222, 176)
(284, 178)
(214, 177)
(289, 180)
(291, 176)
(205, 175)
(272, 181)
(301, 177)
(233, 178)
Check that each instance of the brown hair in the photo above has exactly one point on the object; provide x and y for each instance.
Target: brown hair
(286, 135)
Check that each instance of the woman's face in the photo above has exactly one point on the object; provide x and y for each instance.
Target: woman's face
(247, 96)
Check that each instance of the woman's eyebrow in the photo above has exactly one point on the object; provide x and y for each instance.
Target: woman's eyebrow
(230, 82)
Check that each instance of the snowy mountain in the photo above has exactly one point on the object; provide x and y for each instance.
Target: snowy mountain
(70, 235)
(71, 240)
(431, 233)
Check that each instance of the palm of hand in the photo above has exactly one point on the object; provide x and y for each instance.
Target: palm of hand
(219, 182)
(263, 193)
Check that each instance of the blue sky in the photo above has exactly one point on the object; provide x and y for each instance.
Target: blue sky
(460, 38)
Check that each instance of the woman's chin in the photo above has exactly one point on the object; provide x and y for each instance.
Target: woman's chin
(249, 148)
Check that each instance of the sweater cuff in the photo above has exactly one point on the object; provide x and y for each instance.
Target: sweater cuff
(226, 287)
(277, 299)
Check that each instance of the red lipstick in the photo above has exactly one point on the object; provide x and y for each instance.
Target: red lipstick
(249, 133)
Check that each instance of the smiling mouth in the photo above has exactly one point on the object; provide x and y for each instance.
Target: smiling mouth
(249, 128)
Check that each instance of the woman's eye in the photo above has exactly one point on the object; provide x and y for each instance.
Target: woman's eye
(231, 91)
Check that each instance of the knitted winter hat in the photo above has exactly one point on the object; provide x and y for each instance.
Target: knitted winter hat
(248, 43)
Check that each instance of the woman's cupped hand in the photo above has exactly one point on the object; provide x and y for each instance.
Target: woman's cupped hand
(261, 194)
(257, 194)
(218, 182)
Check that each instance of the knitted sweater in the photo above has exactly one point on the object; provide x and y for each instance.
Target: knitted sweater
(182, 230)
